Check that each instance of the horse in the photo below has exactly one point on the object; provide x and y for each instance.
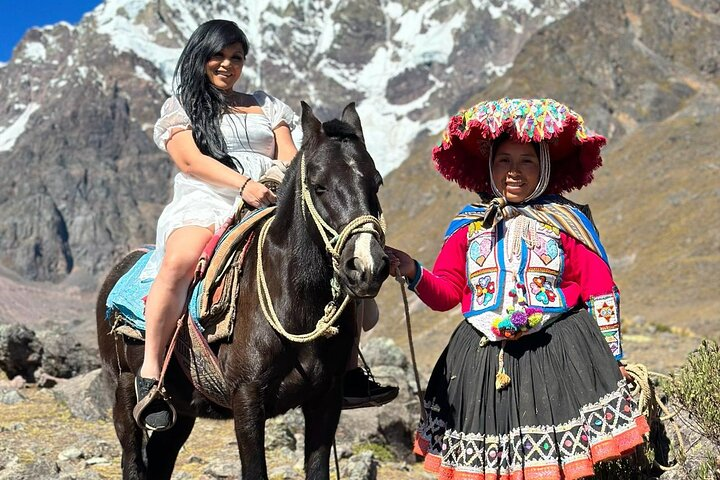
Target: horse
(325, 241)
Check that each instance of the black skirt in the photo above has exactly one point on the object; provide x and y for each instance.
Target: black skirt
(566, 407)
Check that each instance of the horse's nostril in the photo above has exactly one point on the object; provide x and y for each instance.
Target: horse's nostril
(351, 264)
(354, 270)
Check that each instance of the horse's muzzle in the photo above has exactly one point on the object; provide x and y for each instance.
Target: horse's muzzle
(363, 266)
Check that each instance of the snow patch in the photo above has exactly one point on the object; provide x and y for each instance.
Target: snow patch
(142, 74)
(34, 51)
(501, 10)
(115, 18)
(426, 39)
(56, 83)
(394, 10)
(389, 135)
(497, 70)
(9, 134)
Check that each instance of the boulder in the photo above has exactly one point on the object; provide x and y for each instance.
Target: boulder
(383, 351)
(362, 466)
(89, 396)
(10, 396)
(63, 356)
(20, 351)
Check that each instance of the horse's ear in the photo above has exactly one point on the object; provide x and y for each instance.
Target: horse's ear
(311, 126)
(350, 116)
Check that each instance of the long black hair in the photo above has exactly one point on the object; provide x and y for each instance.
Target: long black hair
(203, 101)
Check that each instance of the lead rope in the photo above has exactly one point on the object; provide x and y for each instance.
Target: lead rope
(337, 462)
(401, 280)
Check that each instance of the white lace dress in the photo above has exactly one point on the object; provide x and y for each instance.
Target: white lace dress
(250, 141)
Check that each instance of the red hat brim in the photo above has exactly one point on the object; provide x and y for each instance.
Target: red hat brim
(463, 154)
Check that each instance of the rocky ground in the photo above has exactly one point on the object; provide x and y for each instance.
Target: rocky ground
(53, 427)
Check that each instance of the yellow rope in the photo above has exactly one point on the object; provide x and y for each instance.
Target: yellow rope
(324, 326)
(650, 403)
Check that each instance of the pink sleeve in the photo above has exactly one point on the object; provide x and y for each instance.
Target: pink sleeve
(586, 269)
(591, 277)
(443, 288)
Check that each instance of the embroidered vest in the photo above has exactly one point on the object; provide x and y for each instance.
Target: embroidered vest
(491, 277)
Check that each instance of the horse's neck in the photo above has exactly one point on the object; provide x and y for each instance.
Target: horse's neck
(298, 258)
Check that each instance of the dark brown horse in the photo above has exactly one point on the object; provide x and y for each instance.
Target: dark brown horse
(331, 187)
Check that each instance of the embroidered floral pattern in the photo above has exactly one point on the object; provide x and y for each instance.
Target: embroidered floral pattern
(542, 290)
(547, 250)
(485, 289)
(605, 311)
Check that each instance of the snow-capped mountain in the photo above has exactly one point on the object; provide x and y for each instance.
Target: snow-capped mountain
(84, 180)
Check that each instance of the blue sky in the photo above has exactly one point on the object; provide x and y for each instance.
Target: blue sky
(18, 16)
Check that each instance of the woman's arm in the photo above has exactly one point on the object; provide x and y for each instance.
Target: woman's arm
(597, 289)
(286, 148)
(443, 288)
(190, 160)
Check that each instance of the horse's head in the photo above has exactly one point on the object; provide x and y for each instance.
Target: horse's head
(339, 185)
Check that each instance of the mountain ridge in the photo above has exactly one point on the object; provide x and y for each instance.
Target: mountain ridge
(87, 182)
(654, 199)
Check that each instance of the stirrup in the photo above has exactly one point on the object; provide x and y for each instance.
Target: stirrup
(154, 394)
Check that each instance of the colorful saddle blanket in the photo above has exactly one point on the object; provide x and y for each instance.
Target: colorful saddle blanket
(211, 303)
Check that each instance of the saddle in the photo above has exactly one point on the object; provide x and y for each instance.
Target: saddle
(212, 301)
(213, 291)
(215, 286)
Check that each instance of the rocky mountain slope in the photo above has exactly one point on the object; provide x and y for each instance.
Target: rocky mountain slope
(86, 182)
(646, 73)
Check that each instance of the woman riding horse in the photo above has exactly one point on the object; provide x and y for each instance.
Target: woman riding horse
(324, 243)
(223, 141)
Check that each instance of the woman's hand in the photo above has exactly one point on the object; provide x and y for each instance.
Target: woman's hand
(257, 195)
(628, 378)
(401, 262)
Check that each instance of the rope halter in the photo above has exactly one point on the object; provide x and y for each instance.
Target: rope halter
(334, 244)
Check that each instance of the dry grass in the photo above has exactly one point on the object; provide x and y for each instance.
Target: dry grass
(41, 428)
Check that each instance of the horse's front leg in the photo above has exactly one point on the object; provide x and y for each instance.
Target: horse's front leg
(163, 448)
(321, 420)
(249, 412)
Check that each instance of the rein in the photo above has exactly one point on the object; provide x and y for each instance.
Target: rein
(334, 243)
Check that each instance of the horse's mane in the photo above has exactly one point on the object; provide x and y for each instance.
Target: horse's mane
(339, 130)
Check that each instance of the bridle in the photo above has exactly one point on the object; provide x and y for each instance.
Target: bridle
(334, 242)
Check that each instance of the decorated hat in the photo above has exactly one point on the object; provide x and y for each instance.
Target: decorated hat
(463, 154)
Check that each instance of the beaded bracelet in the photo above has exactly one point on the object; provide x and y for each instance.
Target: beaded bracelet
(242, 187)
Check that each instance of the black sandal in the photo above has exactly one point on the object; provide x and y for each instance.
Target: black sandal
(360, 390)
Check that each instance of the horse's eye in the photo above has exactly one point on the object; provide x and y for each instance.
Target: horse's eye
(319, 189)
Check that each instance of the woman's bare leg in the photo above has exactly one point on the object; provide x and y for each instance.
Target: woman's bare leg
(168, 293)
